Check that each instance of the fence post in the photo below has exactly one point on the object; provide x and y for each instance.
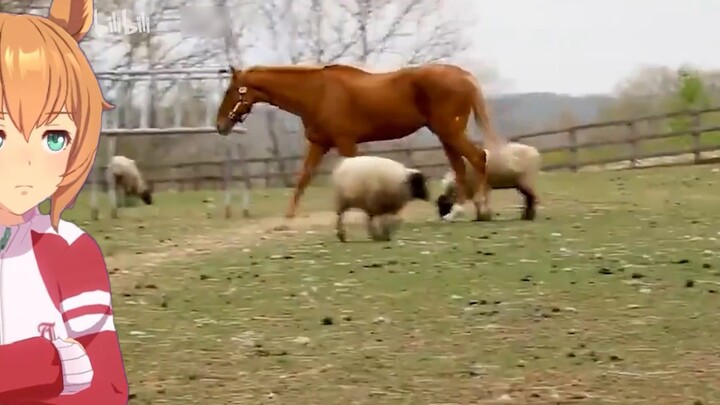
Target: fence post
(197, 180)
(633, 140)
(227, 177)
(268, 176)
(110, 178)
(574, 159)
(409, 152)
(696, 133)
(246, 178)
(94, 210)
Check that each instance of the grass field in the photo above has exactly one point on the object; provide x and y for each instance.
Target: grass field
(611, 296)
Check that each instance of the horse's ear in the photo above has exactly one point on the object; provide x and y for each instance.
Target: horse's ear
(232, 69)
(74, 16)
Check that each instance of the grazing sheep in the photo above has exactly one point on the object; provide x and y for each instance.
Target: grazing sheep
(509, 165)
(381, 187)
(129, 180)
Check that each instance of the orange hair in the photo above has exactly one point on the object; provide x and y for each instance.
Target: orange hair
(44, 72)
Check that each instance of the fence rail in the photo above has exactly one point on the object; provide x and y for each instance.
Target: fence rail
(567, 156)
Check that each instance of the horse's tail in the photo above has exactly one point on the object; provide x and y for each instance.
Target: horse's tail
(482, 117)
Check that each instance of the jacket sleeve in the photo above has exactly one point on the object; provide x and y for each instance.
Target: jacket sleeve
(29, 370)
(87, 311)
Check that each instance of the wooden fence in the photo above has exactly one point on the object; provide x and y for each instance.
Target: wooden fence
(571, 149)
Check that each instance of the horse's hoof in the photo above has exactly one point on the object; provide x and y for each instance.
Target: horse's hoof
(341, 237)
(528, 216)
(456, 212)
(449, 218)
(483, 218)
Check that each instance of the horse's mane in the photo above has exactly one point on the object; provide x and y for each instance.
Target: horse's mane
(284, 68)
(304, 68)
(345, 68)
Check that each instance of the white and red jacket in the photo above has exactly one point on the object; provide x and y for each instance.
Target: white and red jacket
(54, 285)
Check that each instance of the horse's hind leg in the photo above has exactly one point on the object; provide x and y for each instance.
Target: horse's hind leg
(530, 209)
(478, 159)
(458, 166)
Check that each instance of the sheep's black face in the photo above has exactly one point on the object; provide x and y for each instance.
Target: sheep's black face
(418, 186)
(146, 196)
(444, 205)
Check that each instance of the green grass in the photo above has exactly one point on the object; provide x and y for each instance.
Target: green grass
(611, 296)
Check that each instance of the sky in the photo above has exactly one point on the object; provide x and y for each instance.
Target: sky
(588, 46)
(579, 47)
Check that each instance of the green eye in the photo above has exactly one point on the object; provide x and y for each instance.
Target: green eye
(56, 140)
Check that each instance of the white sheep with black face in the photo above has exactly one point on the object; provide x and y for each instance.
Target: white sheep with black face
(129, 180)
(509, 165)
(380, 187)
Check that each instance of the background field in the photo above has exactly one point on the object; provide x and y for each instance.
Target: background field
(611, 296)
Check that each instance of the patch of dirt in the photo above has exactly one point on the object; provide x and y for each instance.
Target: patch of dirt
(252, 233)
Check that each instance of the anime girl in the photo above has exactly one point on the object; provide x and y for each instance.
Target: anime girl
(57, 337)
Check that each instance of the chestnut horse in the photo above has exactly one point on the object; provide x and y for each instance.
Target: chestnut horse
(341, 106)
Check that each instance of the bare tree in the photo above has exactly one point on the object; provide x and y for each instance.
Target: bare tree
(411, 31)
(39, 7)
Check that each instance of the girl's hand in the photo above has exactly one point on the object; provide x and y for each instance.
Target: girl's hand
(73, 342)
(76, 368)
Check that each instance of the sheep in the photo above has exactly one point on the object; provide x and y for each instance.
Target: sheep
(509, 165)
(380, 187)
(129, 180)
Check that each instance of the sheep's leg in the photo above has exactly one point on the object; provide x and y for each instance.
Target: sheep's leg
(370, 227)
(342, 207)
(383, 233)
(484, 213)
(384, 228)
(530, 195)
(340, 226)
(372, 231)
(120, 195)
(391, 225)
(394, 223)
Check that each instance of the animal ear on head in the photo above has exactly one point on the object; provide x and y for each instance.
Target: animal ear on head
(74, 16)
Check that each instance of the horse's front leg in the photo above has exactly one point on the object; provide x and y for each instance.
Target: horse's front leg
(313, 157)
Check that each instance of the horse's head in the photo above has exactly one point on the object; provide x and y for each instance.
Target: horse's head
(237, 103)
